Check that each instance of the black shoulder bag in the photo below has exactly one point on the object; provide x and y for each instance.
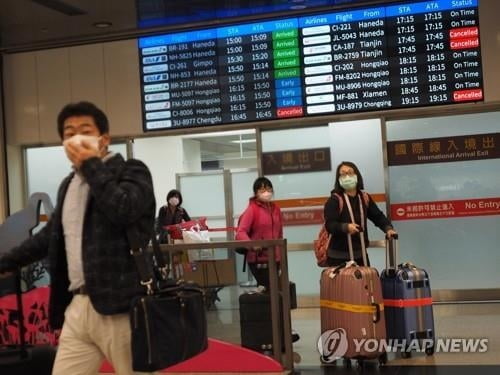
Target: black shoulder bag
(168, 322)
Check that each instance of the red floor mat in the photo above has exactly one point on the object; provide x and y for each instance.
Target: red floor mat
(221, 357)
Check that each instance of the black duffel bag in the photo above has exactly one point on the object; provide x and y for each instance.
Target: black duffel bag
(168, 327)
(168, 323)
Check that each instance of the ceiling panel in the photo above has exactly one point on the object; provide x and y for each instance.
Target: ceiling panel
(38, 24)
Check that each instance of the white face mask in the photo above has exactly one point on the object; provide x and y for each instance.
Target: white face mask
(77, 139)
(173, 201)
(348, 183)
(266, 196)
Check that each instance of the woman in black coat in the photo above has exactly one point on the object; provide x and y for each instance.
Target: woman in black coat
(338, 222)
(171, 213)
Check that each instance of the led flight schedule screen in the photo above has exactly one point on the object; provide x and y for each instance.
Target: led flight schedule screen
(363, 59)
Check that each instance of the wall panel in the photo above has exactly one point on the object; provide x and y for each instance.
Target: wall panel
(21, 98)
(122, 88)
(87, 74)
(54, 91)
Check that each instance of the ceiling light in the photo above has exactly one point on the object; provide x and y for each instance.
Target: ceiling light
(244, 141)
(102, 24)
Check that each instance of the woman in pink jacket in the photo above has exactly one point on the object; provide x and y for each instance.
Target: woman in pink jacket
(261, 221)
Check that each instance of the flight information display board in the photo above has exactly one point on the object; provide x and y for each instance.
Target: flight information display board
(356, 60)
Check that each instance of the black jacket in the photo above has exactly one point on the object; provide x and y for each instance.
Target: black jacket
(336, 224)
(120, 195)
(167, 217)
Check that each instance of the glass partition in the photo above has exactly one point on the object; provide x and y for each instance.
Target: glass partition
(460, 251)
(203, 195)
(357, 141)
(47, 180)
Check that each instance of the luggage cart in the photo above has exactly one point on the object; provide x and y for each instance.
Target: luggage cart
(201, 267)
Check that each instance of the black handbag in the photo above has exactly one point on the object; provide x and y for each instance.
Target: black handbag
(168, 322)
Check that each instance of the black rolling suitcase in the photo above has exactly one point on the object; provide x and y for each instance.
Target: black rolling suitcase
(23, 359)
(255, 319)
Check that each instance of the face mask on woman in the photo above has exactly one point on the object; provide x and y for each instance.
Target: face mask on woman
(174, 201)
(265, 196)
(348, 182)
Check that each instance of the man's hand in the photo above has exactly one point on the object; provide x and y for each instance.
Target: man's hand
(79, 153)
(4, 275)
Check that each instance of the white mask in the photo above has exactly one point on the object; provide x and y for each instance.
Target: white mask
(174, 201)
(77, 139)
(266, 196)
(348, 182)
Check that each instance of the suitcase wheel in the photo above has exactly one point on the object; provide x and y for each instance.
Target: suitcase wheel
(406, 354)
(382, 359)
(325, 361)
(429, 350)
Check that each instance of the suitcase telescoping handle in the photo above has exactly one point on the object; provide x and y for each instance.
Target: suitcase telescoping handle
(392, 252)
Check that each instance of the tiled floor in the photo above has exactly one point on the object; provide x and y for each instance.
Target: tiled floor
(472, 320)
(403, 370)
(452, 321)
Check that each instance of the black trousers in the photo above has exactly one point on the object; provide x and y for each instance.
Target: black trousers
(261, 273)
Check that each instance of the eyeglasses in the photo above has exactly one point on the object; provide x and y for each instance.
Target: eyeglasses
(264, 189)
(349, 173)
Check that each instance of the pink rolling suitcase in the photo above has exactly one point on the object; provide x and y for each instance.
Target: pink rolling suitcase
(352, 310)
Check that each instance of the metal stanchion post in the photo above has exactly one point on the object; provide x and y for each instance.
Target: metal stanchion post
(275, 303)
(287, 321)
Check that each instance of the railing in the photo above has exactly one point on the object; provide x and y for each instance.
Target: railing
(308, 246)
(278, 285)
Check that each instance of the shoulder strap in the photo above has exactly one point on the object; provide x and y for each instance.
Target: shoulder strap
(361, 234)
(239, 221)
(366, 198)
(365, 195)
(254, 212)
(144, 266)
(341, 201)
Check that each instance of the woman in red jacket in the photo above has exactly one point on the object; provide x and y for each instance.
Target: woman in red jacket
(261, 221)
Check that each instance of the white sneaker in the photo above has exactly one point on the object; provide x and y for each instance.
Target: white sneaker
(261, 289)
